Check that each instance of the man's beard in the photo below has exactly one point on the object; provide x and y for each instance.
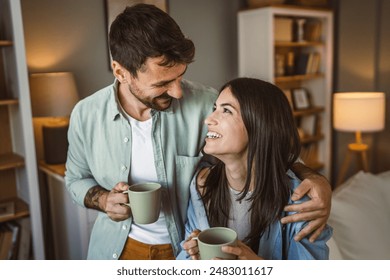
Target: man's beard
(152, 103)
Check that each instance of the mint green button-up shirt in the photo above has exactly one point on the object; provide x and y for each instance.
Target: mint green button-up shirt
(100, 151)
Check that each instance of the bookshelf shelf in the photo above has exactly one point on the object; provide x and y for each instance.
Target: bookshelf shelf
(310, 111)
(298, 44)
(5, 43)
(11, 160)
(310, 139)
(21, 210)
(6, 102)
(315, 165)
(297, 78)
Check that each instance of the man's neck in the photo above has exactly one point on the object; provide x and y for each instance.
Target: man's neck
(131, 105)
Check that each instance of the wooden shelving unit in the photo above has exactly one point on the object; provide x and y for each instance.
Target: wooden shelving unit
(10, 161)
(271, 54)
(297, 78)
(8, 102)
(310, 111)
(297, 44)
(18, 166)
(21, 210)
(5, 43)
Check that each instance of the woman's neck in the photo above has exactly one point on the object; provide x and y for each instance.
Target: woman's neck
(236, 174)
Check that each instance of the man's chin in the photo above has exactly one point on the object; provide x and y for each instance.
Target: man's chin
(163, 105)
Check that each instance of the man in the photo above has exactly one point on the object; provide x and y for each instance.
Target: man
(148, 126)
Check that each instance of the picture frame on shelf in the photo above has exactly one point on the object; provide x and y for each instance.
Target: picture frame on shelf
(115, 7)
(308, 125)
(300, 97)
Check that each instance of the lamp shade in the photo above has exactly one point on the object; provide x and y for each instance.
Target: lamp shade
(53, 94)
(359, 111)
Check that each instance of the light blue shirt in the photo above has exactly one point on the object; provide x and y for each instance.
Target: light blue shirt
(271, 245)
(100, 151)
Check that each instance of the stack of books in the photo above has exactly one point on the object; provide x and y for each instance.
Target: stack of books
(307, 63)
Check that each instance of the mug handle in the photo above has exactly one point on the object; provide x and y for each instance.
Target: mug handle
(127, 204)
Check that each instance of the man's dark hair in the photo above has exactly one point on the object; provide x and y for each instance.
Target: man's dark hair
(144, 31)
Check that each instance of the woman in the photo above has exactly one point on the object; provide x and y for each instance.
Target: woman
(253, 137)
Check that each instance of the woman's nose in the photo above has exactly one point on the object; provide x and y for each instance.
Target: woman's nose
(211, 120)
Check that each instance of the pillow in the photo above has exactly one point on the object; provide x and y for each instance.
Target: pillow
(334, 251)
(360, 217)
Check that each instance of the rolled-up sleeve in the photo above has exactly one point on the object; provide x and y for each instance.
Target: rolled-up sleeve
(78, 176)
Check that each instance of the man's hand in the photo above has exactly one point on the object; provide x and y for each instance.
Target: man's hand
(110, 202)
(316, 210)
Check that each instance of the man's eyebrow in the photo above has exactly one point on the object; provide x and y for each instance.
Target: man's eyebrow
(162, 83)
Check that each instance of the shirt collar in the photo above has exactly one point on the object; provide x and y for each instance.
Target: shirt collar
(113, 101)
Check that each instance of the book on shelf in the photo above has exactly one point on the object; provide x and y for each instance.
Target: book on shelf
(16, 229)
(313, 30)
(24, 249)
(9, 240)
(307, 63)
(7, 209)
(283, 27)
(290, 61)
(316, 62)
(301, 62)
(5, 242)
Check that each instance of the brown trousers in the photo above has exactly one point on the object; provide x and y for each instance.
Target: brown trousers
(135, 250)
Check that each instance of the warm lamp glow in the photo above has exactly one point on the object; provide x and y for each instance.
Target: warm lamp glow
(359, 111)
(53, 94)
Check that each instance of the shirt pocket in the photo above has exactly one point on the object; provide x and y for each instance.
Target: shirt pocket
(185, 168)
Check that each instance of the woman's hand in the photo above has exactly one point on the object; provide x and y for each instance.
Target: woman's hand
(242, 251)
(191, 245)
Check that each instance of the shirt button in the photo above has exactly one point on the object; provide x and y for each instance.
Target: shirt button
(123, 168)
(124, 227)
(125, 139)
(115, 256)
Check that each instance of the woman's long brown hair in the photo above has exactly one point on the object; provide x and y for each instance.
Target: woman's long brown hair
(273, 146)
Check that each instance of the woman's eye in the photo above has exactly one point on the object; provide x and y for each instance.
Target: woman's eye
(227, 111)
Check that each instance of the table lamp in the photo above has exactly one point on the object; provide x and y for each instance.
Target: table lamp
(53, 96)
(358, 112)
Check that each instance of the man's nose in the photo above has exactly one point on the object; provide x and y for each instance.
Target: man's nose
(175, 90)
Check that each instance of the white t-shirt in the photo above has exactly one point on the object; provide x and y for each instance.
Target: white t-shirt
(143, 170)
